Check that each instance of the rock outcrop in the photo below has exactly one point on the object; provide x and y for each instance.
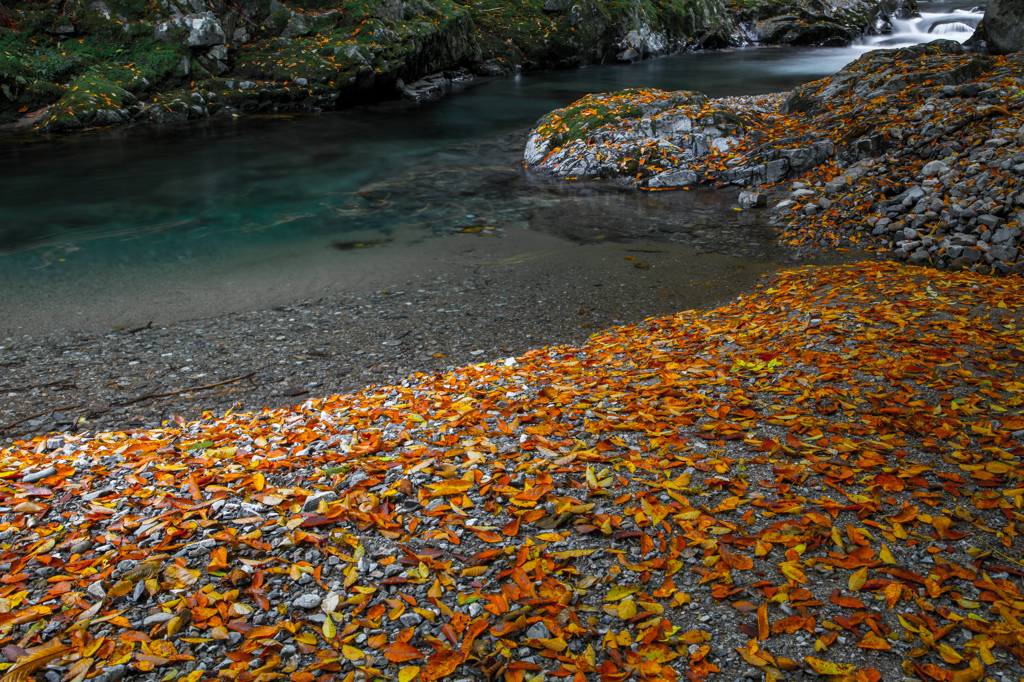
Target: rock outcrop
(816, 22)
(1002, 29)
(918, 150)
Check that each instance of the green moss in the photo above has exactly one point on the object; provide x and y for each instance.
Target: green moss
(358, 49)
(581, 119)
(88, 95)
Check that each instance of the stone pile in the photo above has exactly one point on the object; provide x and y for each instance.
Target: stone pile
(919, 151)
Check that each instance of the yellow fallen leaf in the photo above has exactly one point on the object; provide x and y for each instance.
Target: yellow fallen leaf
(858, 579)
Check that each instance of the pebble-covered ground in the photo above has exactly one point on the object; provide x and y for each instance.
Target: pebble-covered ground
(452, 314)
(823, 478)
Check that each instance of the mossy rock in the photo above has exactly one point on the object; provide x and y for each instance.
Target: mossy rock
(91, 99)
(580, 120)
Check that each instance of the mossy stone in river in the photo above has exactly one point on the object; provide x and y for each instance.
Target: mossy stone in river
(91, 100)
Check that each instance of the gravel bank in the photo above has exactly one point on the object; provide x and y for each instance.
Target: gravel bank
(487, 299)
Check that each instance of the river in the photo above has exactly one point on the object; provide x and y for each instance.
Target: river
(114, 227)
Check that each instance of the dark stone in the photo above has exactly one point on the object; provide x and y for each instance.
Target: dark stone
(1002, 29)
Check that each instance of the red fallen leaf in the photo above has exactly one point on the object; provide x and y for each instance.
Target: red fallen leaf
(750, 630)
(262, 632)
(218, 559)
(12, 652)
(744, 606)
(846, 602)
(720, 591)
(442, 664)
(511, 528)
(791, 624)
(489, 536)
(313, 519)
(762, 622)
(874, 642)
(399, 652)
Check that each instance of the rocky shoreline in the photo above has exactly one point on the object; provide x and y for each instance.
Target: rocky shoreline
(917, 151)
(103, 63)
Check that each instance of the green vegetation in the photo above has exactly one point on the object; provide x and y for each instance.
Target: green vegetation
(581, 119)
(164, 59)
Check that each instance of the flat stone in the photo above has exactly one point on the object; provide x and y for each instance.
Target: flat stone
(990, 221)
(39, 475)
(410, 620)
(675, 178)
(157, 618)
(751, 199)
(538, 631)
(307, 601)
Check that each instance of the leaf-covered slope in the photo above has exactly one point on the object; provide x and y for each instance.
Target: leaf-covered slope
(824, 476)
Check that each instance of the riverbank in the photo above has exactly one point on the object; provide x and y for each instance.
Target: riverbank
(121, 62)
(776, 487)
(334, 329)
(918, 150)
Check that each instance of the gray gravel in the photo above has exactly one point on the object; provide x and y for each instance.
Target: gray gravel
(138, 378)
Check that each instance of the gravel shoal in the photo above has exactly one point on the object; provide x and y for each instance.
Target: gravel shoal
(478, 300)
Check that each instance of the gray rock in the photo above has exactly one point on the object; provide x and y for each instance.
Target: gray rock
(307, 601)
(836, 185)
(313, 501)
(676, 178)
(1003, 252)
(39, 475)
(971, 255)
(920, 256)
(804, 158)
(934, 168)
(112, 674)
(538, 631)
(410, 620)
(990, 221)
(1006, 235)
(156, 619)
(752, 199)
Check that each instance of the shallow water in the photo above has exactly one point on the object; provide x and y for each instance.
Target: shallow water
(138, 212)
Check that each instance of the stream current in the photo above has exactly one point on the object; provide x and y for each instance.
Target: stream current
(241, 212)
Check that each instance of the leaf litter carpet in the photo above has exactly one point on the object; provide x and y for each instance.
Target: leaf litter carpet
(822, 478)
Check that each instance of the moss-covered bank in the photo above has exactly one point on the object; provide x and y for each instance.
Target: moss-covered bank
(65, 65)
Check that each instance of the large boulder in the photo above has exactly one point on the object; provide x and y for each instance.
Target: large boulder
(807, 22)
(195, 30)
(1002, 29)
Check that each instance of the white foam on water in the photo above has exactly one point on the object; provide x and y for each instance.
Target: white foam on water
(956, 24)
